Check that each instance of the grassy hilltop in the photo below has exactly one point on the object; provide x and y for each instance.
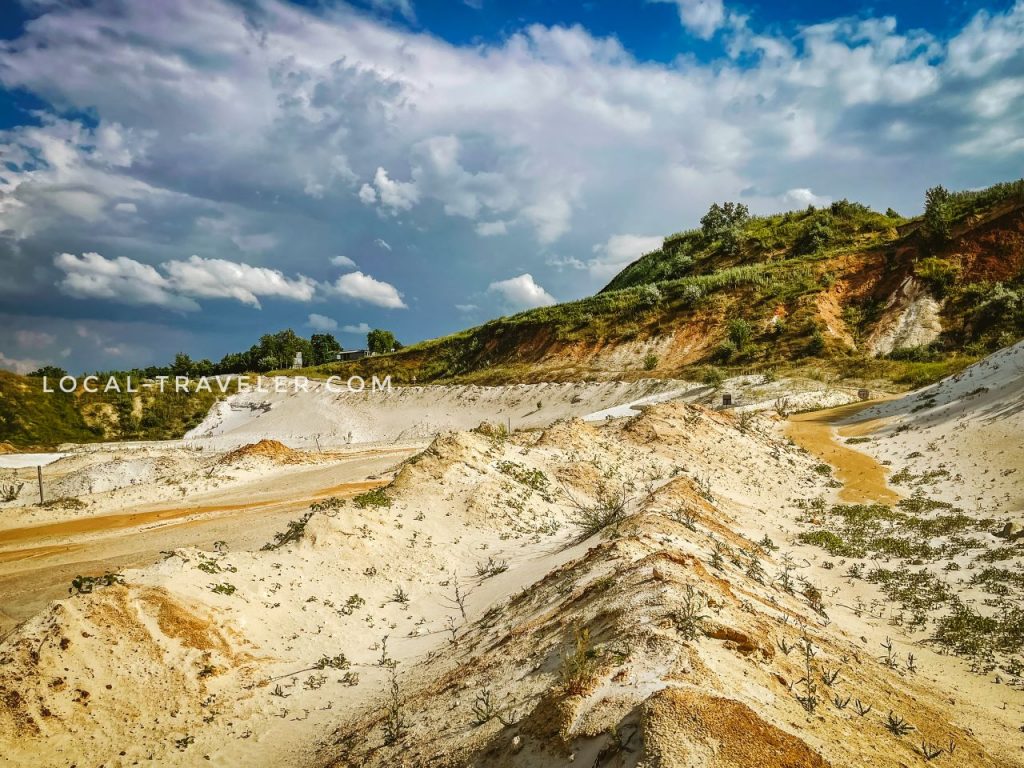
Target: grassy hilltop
(802, 289)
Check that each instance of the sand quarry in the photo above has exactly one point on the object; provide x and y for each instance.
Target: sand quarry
(632, 576)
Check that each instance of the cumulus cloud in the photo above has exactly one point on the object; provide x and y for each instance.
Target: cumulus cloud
(221, 279)
(618, 251)
(321, 322)
(521, 292)
(360, 328)
(394, 196)
(123, 280)
(298, 126)
(801, 197)
(127, 281)
(342, 261)
(360, 287)
(701, 18)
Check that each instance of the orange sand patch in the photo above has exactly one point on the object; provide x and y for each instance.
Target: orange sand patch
(863, 478)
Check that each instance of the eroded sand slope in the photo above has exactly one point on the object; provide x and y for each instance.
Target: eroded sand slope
(625, 592)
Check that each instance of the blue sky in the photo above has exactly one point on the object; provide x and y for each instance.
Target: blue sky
(188, 176)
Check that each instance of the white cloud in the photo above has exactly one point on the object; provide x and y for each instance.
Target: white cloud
(342, 261)
(358, 329)
(218, 278)
(367, 194)
(700, 17)
(1000, 97)
(321, 322)
(521, 292)
(619, 251)
(123, 280)
(402, 7)
(126, 208)
(356, 285)
(18, 365)
(492, 228)
(393, 195)
(382, 244)
(467, 308)
(801, 197)
(278, 120)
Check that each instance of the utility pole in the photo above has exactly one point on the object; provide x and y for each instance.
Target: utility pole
(39, 474)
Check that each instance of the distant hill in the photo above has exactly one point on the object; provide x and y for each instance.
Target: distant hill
(842, 290)
(31, 418)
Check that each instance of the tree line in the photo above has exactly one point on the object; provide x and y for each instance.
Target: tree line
(272, 352)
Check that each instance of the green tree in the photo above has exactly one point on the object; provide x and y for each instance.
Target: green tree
(51, 372)
(324, 345)
(725, 223)
(938, 215)
(234, 362)
(182, 365)
(276, 350)
(379, 341)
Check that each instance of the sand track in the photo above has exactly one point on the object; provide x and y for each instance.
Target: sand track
(862, 476)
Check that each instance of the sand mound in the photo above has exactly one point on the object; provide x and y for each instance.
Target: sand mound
(690, 728)
(265, 449)
(7, 448)
(111, 474)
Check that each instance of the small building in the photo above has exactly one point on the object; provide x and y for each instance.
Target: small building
(297, 362)
(727, 399)
(343, 355)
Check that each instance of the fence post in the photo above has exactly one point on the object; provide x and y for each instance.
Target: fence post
(39, 474)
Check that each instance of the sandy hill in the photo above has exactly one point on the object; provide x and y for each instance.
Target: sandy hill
(681, 587)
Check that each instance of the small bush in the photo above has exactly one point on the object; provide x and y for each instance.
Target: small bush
(376, 498)
(294, 532)
(650, 362)
(579, 667)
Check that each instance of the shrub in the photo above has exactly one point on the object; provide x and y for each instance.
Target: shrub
(293, 533)
(725, 351)
(938, 274)
(579, 667)
(649, 296)
(375, 498)
(817, 343)
(10, 491)
(650, 361)
(739, 333)
(712, 376)
(816, 236)
(608, 509)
